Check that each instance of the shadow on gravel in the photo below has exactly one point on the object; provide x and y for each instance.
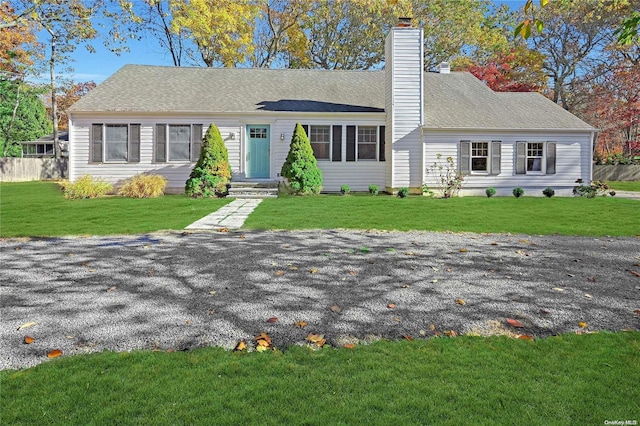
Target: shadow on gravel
(180, 291)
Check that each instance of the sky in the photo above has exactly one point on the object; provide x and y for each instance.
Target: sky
(100, 65)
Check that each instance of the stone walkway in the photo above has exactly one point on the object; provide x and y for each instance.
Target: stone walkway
(231, 216)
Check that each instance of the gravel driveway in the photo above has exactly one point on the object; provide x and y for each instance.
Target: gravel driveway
(184, 290)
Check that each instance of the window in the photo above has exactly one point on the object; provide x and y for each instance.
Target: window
(479, 157)
(258, 133)
(37, 150)
(320, 138)
(115, 142)
(179, 142)
(536, 158)
(367, 142)
(535, 155)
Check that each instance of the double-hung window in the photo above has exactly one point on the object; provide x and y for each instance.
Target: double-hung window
(115, 143)
(480, 157)
(367, 142)
(320, 138)
(536, 158)
(177, 142)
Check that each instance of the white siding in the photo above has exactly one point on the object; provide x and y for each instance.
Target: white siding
(573, 159)
(404, 106)
(176, 172)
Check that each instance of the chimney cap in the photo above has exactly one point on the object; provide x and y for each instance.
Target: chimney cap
(444, 68)
(405, 22)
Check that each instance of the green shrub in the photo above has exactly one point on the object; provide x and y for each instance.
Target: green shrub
(212, 173)
(301, 167)
(143, 186)
(518, 192)
(345, 189)
(591, 191)
(403, 192)
(490, 192)
(85, 187)
(548, 192)
(373, 189)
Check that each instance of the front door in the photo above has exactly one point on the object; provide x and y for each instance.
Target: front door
(257, 158)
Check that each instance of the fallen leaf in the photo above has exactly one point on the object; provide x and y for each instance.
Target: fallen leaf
(450, 333)
(263, 336)
(300, 324)
(391, 305)
(212, 311)
(29, 340)
(352, 272)
(223, 230)
(558, 289)
(544, 311)
(17, 248)
(404, 286)
(591, 279)
(262, 342)
(494, 243)
(212, 292)
(514, 323)
(432, 327)
(313, 338)
(423, 332)
(293, 268)
(409, 253)
(188, 321)
(525, 337)
(110, 289)
(261, 348)
(396, 319)
(520, 252)
(460, 302)
(336, 309)
(54, 353)
(435, 280)
(448, 269)
(582, 324)
(314, 270)
(242, 237)
(637, 311)
(171, 350)
(27, 325)
(409, 338)
(524, 241)
(92, 270)
(637, 274)
(272, 320)
(588, 296)
(463, 250)
(349, 345)
(278, 273)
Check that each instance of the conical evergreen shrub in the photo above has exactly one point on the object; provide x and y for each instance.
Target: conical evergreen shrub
(301, 167)
(212, 172)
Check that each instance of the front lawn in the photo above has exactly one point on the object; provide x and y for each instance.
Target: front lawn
(625, 185)
(527, 215)
(39, 209)
(566, 379)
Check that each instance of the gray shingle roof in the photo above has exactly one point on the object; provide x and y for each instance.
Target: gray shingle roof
(209, 90)
(452, 101)
(461, 101)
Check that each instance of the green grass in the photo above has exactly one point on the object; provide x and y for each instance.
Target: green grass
(568, 379)
(39, 209)
(528, 215)
(625, 185)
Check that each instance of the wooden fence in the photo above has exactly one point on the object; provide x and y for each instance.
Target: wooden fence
(616, 172)
(25, 169)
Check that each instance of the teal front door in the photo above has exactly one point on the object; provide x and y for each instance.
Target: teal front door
(258, 149)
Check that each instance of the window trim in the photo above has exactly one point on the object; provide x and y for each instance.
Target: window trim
(548, 158)
(105, 142)
(543, 159)
(195, 131)
(329, 142)
(376, 134)
(487, 157)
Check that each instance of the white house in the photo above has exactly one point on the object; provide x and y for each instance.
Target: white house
(383, 127)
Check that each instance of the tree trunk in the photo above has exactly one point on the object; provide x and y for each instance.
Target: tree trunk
(13, 119)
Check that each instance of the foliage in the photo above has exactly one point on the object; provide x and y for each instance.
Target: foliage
(212, 172)
(69, 95)
(221, 29)
(301, 167)
(490, 192)
(373, 189)
(18, 43)
(548, 192)
(22, 116)
(403, 192)
(630, 29)
(24, 202)
(144, 186)
(617, 159)
(426, 190)
(345, 189)
(518, 192)
(596, 188)
(446, 177)
(85, 187)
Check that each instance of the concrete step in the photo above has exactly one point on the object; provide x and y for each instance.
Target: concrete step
(252, 192)
(254, 184)
(252, 196)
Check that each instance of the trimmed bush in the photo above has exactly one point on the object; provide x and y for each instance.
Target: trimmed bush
(518, 192)
(403, 192)
(212, 173)
(549, 192)
(490, 192)
(373, 189)
(85, 187)
(301, 167)
(345, 189)
(143, 186)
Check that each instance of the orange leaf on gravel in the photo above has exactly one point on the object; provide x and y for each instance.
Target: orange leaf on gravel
(54, 353)
(637, 311)
(582, 324)
(463, 250)
(272, 320)
(352, 272)
(314, 270)
(349, 345)
(391, 305)
(300, 324)
(336, 309)
(29, 340)
(278, 273)
(460, 302)
(450, 333)
(514, 323)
